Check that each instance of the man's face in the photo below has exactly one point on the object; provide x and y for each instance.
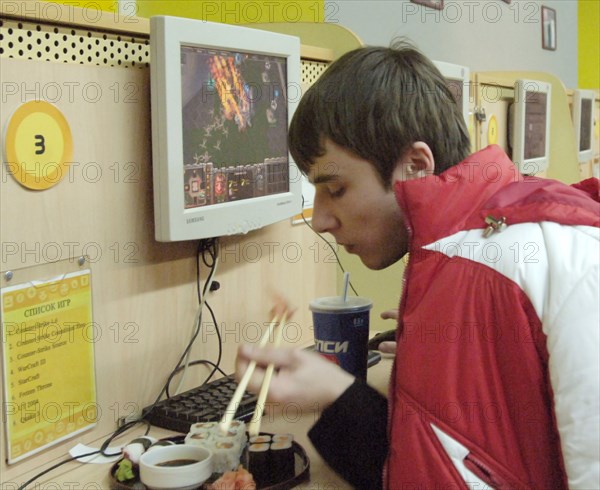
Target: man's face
(354, 206)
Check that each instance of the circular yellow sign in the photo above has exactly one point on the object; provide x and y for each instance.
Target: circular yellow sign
(39, 145)
(493, 131)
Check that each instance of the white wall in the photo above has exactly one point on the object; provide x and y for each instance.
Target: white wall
(482, 34)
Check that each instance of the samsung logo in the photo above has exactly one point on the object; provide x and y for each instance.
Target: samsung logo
(283, 203)
(189, 221)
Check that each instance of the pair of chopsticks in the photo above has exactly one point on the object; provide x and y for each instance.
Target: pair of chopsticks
(254, 426)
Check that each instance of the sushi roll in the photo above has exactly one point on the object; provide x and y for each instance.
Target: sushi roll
(260, 439)
(202, 438)
(259, 464)
(282, 438)
(226, 455)
(282, 461)
(237, 437)
(203, 426)
(227, 447)
(137, 447)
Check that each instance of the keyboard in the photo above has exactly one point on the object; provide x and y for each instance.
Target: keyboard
(207, 403)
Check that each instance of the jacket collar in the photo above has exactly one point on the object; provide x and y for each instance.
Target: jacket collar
(463, 196)
(440, 205)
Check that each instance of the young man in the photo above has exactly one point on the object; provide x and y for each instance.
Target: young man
(495, 382)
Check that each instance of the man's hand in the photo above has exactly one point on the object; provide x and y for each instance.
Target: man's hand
(300, 376)
(389, 347)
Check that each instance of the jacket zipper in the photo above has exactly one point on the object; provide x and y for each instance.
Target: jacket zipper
(484, 473)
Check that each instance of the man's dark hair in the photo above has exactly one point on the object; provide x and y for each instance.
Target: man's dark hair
(376, 102)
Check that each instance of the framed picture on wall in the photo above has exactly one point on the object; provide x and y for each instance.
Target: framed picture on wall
(434, 4)
(548, 28)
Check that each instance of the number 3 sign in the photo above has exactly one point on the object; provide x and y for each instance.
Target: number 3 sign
(39, 145)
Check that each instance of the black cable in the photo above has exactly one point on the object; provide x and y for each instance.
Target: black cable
(48, 470)
(195, 363)
(220, 344)
(204, 247)
(101, 451)
(328, 243)
(209, 247)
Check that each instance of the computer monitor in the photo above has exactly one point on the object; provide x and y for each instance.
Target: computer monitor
(222, 99)
(583, 121)
(458, 78)
(529, 131)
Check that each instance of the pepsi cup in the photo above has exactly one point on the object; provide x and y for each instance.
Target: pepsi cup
(342, 331)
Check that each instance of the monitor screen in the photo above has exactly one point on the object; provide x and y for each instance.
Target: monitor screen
(535, 125)
(234, 122)
(583, 122)
(222, 100)
(529, 126)
(585, 138)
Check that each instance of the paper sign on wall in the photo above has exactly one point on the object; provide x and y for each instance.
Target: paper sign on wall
(48, 354)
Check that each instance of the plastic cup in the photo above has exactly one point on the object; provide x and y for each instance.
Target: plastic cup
(341, 330)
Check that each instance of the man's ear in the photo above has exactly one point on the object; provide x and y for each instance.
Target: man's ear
(416, 162)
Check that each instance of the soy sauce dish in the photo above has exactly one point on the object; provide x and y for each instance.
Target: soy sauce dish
(180, 466)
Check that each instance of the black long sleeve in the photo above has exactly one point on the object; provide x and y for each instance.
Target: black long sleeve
(351, 436)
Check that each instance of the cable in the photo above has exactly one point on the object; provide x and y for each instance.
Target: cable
(220, 344)
(101, 451)
(209, 247)
(328, 243)
(194, 363)
(48, 470)
(204, 247)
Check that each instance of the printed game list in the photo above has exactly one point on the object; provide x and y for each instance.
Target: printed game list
(48, 353)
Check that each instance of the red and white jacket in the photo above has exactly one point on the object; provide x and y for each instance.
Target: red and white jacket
(496, 378)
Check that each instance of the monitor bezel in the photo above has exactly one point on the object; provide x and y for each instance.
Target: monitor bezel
(461, 73)
(530, 166)
(172, 221)
(579, 95)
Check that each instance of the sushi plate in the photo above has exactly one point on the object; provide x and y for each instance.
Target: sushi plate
(302, 471)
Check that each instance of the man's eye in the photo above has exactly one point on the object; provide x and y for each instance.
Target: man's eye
(337, 192)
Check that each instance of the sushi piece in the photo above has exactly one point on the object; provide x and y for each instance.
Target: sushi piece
(259, 463)
(137, 447)
(203, 426)
(199, 438)
(226, 455)
(283, 438)
(226, 447)
(282, 461)
(260, 439)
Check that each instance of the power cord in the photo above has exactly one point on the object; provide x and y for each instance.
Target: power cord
(208, 250)
(328, 243)
(102, 451)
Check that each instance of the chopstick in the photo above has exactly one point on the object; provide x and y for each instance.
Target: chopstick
(243, 384)
(254, 426)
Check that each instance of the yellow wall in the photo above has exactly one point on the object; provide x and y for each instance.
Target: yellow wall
(236, 12)
(589, 44)
(108, 5)
(228, 12)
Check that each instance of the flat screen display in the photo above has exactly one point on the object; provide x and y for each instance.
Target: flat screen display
(585, 131)
(535, 125)
(234, 126)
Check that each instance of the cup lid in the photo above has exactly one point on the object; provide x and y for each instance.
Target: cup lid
(336, 304)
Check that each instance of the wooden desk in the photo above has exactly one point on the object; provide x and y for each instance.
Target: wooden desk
(288, 419)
